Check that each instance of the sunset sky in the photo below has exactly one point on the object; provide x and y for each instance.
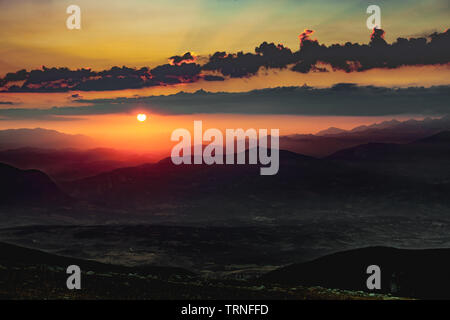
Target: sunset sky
(142, 33)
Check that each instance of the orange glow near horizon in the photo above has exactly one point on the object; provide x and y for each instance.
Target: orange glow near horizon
(121, 131)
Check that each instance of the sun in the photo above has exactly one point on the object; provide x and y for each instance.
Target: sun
(142, 117)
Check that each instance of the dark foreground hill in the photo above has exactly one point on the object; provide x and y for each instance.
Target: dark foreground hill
(15, 256)
(412, 273)
(28, 187)
(31, 274)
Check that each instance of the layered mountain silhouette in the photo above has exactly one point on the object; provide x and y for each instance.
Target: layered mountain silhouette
(321, 144)
(394, 176)
(329, 141)
(408, 273)
(302, 183)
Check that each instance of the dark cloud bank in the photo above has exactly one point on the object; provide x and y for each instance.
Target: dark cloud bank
(311, 57)
(341, 100)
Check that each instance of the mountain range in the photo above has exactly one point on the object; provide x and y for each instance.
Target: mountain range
(373, 177)
(303, 184)
(329, 141)
(369, 194)
(426, 159)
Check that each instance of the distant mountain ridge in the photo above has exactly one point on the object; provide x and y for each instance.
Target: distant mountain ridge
(39, 138)
(321, 144)
(425, 125)
(426, 158)
(329, 141)
(330, 130)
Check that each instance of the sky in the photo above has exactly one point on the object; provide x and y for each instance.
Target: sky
(146, 34)
(142, 32)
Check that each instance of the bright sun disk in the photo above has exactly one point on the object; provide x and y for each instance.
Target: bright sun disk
(141, 117)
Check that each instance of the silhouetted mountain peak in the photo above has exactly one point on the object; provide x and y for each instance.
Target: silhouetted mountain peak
(331, 130)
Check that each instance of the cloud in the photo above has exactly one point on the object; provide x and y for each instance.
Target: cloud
(312, 56)
(116, 78)
(242, 64)
(178, 60)
(177, 73)
(213, 78)
(339, 100)
(304, 37)
(350, 57)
